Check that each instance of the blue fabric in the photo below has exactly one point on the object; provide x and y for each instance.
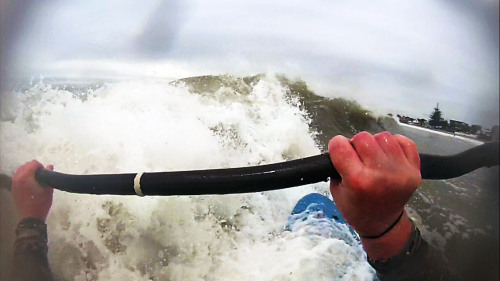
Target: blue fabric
(323, 203)
(315, 202)
(315, 214)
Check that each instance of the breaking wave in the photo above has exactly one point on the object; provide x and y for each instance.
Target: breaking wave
(158, 125)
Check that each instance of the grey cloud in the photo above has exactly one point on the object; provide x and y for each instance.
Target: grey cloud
(400, 51)
(158, 34)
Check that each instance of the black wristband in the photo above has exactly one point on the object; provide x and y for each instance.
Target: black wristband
(393, 262)
(31, 227)
(386, 231)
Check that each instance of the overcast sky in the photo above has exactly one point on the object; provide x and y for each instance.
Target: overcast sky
(392, 56)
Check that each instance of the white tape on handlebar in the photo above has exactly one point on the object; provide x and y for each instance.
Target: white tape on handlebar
(137, 184)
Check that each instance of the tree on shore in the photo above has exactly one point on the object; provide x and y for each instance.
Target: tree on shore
(436, 118)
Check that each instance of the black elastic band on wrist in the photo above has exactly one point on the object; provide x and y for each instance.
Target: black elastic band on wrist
(386, 231)
(410, 248)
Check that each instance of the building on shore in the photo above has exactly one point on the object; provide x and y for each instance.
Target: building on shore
(475, 129)
(459, 126)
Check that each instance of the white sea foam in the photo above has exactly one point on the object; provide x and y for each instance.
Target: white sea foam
(150, 125)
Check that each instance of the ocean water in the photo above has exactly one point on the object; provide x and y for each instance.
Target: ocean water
(153, 125)
(143, 125)
(459, 216)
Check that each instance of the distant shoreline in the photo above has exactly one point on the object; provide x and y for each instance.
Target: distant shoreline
(471, 140)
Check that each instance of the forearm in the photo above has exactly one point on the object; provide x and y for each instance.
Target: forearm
(391, 243)
(404, 255)
(30, 251)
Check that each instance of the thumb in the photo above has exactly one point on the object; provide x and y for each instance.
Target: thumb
(49, 190)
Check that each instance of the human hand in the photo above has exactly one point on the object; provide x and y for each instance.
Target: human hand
(379, 175)
(32, 200)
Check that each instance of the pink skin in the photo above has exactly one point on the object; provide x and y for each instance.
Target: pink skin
(379, 175)
(32, 200)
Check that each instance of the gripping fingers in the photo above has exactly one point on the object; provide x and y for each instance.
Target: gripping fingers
(410, 150)
(389, 145)
(367, 148)
(343, 156)
(22, 174)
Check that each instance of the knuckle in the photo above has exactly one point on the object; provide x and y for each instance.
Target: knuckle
(361, 137)
(336, 142)
(383, 134)
(364, 134)
(404, 140)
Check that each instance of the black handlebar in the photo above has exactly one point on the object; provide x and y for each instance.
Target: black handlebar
(253, 179)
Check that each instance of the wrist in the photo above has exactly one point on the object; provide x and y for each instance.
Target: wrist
(32, 215)
(373, 224)
(387, 229)
(392, 242)
(31, 227)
